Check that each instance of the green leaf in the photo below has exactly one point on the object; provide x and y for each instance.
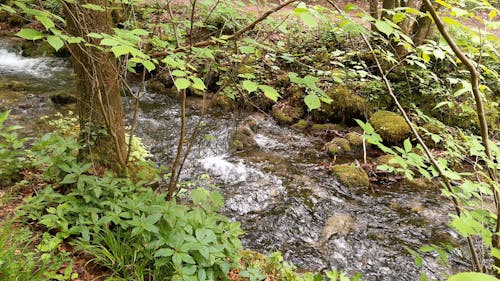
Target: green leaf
(407, 145)
(45, 21)
(119, 50)
(472, 276)
(308, 19)
(270, 92)
(30, 34)
(55, 42)
(178, 73)
(398, 17)
(182, 83)
(350, 7)
(94, 7)
(198, 83)
(164, 252)
(250, 86)
(312, 101)
(149, 65)
(384, 27)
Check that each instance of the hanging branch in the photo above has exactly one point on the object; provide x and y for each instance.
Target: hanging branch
(474, 78)
(234, 36)
(435, 164)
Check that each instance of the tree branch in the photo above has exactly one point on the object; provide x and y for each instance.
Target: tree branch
(234, 36)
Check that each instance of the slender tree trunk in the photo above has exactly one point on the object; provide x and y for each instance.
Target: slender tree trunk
(374, 12)
(97, 79)
(423, 27)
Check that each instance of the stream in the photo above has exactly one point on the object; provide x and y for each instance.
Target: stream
(284, 198)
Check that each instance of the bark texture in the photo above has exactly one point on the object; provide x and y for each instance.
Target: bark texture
(97, 79)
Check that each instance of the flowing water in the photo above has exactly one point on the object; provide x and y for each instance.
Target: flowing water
(280, 192)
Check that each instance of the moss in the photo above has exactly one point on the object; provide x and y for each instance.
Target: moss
(355, 139)
(345, 107)
(242, 139)
(14, 85)
(35, 49)
(390, 126)
(386, 160)
(322, 129)
(301, 125)
(337, 146)
(224, 103)
(155, 86)
(350, 175)
(285, 114)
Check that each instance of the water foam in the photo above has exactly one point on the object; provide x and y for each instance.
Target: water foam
(13, 63)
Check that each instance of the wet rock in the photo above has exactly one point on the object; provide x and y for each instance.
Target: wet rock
(285, 114)
(350, 175)
(337, 146)
(155, 86)
(255, 120)
(338, 224)
(242, 139)
(390, 126)
(421, 183)
(63, 98)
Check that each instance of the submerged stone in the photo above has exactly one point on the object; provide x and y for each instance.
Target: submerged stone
(242, 139)
(337, 224)
(390, 126)
(350, 175)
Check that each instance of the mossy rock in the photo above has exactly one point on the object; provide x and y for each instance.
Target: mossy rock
(390, 126)
(344, 108)
(36, 49)
(63, 98)
(301, 125)
(350, 175)
(387, 160)
(285, 114)
(337, 146)
(224, 103)
(14, 85)
(155, 86)
(355, 139)
(242, 139)
(325, 129)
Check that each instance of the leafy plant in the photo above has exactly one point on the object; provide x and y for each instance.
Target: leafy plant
(13, 157)
(20, 260)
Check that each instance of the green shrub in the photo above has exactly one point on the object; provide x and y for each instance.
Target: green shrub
(13, 157)
(134, 231)
(20, 260)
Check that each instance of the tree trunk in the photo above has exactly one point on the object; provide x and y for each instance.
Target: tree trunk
(97, 79)
(423, 27)
(374, 12)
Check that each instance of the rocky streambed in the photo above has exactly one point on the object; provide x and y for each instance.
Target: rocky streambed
(279, 186)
